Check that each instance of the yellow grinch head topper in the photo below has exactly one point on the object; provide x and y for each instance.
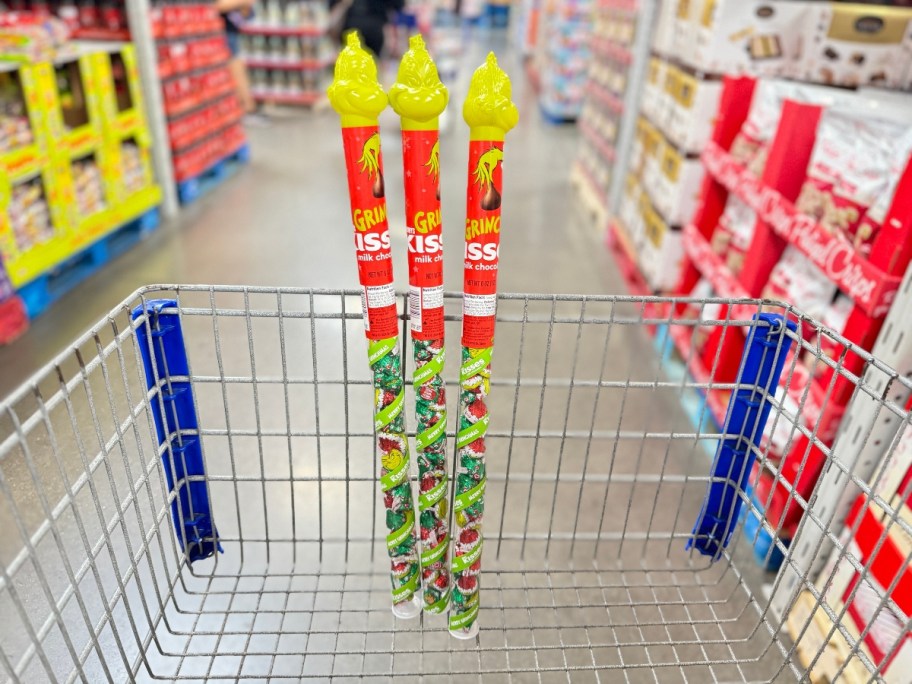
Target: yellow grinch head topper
(488, 109)
(418, 95)
(355, 92)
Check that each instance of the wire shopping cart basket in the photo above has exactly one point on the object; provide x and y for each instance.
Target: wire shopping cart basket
(621, 529)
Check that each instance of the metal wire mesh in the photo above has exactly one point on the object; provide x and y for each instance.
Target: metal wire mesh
(596, 476)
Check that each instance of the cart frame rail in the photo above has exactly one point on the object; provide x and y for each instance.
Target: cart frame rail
(597, 477)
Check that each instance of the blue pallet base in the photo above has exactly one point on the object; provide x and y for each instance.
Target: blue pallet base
(692, 400)
(47, 288)
(556, 119)
(192, 189)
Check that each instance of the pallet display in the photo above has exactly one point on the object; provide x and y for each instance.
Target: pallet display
(186, 42)
(675, 187)
(694, 44)
(31, 214)
(674, 121)
(867, 282)
(287, 51)
(562, 57)
(79, 189)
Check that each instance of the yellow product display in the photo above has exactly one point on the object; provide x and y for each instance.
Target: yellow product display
(24, 155)
(20, 120)
(120, 95)
(31, 225)
(73, 106)
(131, 165)
(83, 191)
(88, 169)
(127, 171)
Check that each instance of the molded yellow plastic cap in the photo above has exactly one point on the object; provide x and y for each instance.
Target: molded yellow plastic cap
(418, 96)
(355, 92)
(488, 109)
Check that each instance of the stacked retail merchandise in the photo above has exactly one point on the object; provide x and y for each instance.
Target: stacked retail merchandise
(772, 159)
(611, 44)
(76, 184)
(694, 45)
(202, 109)
(562, 57)
(85, 19)
(287, 51)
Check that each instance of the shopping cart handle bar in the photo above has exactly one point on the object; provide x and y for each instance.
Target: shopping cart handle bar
(762, 361)
(164, 356)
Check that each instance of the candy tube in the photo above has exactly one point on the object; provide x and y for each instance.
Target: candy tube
(358, 98)
(419, 98)
(490, 114)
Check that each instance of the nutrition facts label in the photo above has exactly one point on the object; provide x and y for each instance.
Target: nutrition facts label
(379, 296)
(422, 300)
(378, 303)
(479, 305)
(431, 297)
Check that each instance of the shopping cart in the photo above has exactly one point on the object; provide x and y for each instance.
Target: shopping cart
(262, 447)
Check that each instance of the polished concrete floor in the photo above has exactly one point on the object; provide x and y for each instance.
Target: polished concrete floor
(284, 220)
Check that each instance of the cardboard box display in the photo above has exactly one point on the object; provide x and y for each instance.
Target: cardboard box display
(646, 152)
(73, 106)
(809, 626)
(661, 252)
(668, 96)
(882, 551)
(693, 113)
(128, 168)
(28, 152)
(676, 192)
(36, 200)
(21, 118)
(655, 80)
(631, 210)
(663, 41)
(120, 94)
(85, 196)
(758, 37)
(855, 45)
(684, 36)
(637, 149)
(653, 151)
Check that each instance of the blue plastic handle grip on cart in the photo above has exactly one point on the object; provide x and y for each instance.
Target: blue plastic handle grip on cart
(161, 344)
(748, 409)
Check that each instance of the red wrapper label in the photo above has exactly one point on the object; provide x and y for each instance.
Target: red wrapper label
(372, 241)
(420, 156)
(482, 247)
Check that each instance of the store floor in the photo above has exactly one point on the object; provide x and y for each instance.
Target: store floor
(285, 220)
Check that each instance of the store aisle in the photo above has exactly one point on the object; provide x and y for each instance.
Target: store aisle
(284, 220)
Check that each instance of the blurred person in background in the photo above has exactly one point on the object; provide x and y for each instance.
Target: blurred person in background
(234, 14)
(369, 18)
